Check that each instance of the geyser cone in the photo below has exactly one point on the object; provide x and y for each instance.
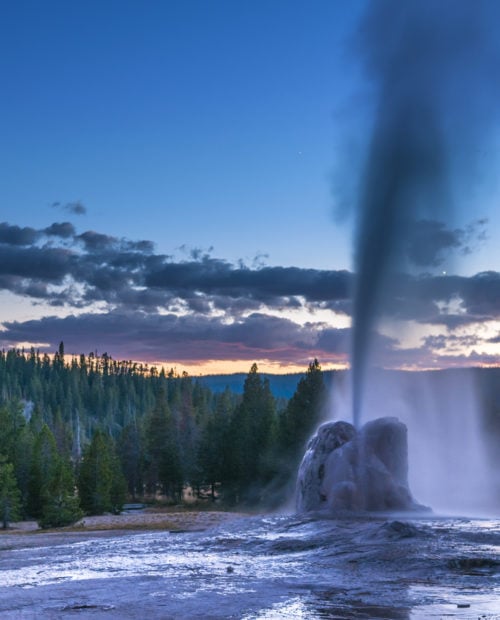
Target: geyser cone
(366, 470)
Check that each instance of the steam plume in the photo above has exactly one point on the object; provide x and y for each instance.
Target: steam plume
(434, 68)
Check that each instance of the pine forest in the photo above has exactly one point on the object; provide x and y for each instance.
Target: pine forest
(87, 434)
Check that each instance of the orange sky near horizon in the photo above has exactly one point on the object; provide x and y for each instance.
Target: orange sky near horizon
(224, 367)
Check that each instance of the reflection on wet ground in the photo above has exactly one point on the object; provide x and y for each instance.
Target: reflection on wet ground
(272, 567)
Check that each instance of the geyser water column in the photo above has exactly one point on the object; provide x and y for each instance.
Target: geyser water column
(431, 66)
(405, 171)
(404, 163)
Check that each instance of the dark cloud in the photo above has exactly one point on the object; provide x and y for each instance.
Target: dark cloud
(107, 268)
(452, 321)
(448, 300)
(181, 338)
(76, 207)
(474, 235)
(334, 340)
(267, 284)
(65, 230)
(44, 264)
(144, 246)
(479, 295)
(196, 254)
(96, 241)
(452, 343)
(128, 274)
(14, 235)
(271, 333)
(430, 242)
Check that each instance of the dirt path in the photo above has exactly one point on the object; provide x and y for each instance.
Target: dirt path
(28, 534)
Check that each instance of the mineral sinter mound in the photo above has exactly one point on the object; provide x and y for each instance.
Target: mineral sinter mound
(365, 470)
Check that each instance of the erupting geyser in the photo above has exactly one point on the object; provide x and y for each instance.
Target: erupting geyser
(431, 70)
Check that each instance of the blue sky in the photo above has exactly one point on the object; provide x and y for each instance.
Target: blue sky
(229, 135)
(179, 122)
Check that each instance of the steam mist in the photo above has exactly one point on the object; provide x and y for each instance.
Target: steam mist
(433, 67)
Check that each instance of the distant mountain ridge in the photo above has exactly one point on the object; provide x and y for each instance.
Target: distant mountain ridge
(282, 386)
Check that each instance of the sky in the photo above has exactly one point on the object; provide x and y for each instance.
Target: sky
(180, 184)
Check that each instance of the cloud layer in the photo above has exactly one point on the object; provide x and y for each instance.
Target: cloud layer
(119, 296)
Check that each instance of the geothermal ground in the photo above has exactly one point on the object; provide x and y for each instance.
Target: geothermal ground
(232, 566)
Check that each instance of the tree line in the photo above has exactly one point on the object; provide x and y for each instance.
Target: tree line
(84, 435)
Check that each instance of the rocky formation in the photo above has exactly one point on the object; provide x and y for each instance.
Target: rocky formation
(366, 470)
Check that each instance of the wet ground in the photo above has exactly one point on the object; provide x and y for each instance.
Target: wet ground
(260, 567)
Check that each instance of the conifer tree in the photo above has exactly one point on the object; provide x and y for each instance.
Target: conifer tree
(130, 451)
(101, 485)
(213, 457)
(303, 412)
(22, 462)
(51, 498)
(11, 424)
(43, 470)
(61, 506)
(162, 455)
(10, 498)
(188, 436)
(296, 425)
(252, 432)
